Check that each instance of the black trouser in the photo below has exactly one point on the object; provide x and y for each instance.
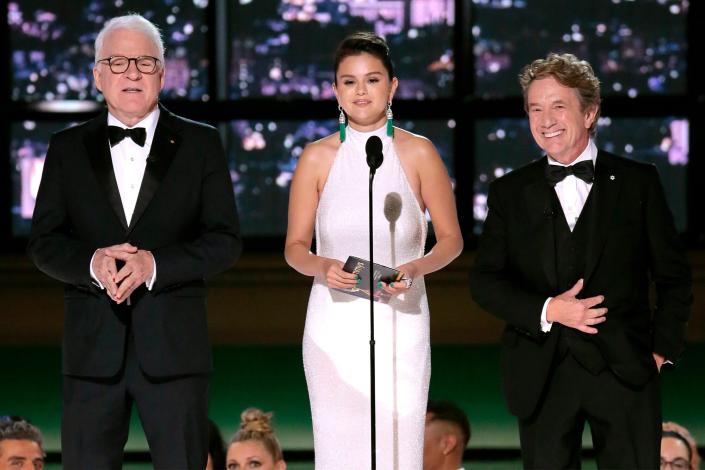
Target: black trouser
(625, 423)
(96, 418)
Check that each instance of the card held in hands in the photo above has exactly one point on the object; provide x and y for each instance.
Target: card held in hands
(361, 267)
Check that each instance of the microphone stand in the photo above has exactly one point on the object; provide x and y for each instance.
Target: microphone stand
(373, 425)
(375, 156)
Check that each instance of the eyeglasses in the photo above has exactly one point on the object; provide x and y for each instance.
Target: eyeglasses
(119, 64)
(676, 464)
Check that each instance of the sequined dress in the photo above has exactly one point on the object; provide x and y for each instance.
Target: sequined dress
(336, 336)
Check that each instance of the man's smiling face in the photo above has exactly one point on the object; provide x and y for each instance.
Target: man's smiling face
(558, 123)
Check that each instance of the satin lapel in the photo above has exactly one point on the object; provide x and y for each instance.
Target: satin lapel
(605, 192)
(540, 214)
(164, 146)
(98, 149)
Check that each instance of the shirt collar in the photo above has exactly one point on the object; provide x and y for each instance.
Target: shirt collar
(590, 153)
(149, 123)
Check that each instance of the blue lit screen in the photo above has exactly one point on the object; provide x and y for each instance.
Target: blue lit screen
(505, 144)
(285, 48)
(263, 155)
(635, 46)
(52, 46)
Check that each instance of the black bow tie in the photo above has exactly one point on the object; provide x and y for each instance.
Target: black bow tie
(584, 170)
(137, 134)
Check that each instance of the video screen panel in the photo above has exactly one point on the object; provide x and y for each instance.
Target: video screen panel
(285, 48)
(52, 46)
(263, 155)
(636, 47)
(29, 141)
(505, 144)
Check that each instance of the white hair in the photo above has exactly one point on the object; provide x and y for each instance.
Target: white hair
(132, 22)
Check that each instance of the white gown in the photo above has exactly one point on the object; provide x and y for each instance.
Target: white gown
(336, 337)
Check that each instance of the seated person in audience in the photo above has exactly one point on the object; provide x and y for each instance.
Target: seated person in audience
(20, 445)
(446, 435)
(254, 445)
(216, 448)
(678, 448)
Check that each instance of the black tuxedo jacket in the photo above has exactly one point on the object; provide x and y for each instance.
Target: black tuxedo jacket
(185, 215)
(632, 244)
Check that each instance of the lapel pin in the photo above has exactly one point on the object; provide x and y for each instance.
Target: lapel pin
(612, 177)
(171, 141)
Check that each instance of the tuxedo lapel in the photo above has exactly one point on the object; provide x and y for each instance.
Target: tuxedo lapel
(540, 214)
(98, 151)
(164, 146)
(606, 188)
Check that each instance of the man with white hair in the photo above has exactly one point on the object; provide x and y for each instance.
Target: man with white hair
(135, 210)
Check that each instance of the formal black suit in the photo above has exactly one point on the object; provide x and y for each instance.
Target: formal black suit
(623, 242)
(186, 216)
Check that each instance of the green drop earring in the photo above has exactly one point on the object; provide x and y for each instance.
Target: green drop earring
(341, 123)
(390, 120)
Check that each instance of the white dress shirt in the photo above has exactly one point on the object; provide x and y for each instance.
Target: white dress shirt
(572, 193)
(129, 163)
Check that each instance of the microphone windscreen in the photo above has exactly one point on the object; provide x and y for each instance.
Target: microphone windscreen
(392, 206)
(373, 149)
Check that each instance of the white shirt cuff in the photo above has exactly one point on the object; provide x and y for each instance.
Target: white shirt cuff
(545, 324)
(150, 283)
(95, 279)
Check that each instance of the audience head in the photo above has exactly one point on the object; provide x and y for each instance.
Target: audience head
(20, 445)
(216, 448)
(255, 443)
(446, 435)
(678, 448)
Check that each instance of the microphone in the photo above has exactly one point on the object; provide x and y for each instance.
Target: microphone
(392, 207)
(373, 149)
(548, 213)
(392, 211)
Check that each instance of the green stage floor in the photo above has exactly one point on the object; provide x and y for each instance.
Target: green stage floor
(272, 378)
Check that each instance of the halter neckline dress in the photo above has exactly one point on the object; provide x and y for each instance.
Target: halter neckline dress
(336, 335)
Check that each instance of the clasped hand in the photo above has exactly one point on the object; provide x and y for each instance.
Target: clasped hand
(336, 277)
(119, 284)
(572, 312)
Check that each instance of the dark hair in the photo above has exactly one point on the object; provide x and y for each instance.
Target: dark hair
(364, 42)
(569, 71)
(256, 425)
(13, 427)
(216, 446)
(444, 410)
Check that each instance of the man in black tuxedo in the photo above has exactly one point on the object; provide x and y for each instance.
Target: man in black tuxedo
(134, 212)
(571, 244)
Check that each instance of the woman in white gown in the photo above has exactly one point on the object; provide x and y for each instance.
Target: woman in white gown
(329, 194)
